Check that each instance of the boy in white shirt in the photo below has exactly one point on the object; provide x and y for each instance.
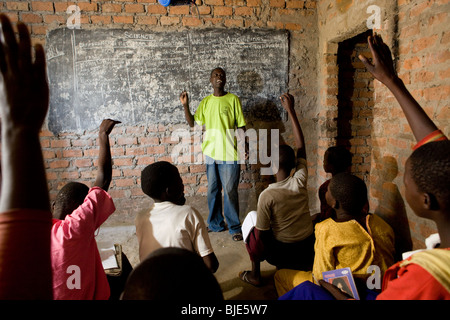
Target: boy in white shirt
(169, 222)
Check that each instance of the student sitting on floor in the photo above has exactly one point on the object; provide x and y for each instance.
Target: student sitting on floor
(169, 222)
(283, 234)
(336, 159)
(352, 238)
(79, 211)
(172, 274)
(424, 275)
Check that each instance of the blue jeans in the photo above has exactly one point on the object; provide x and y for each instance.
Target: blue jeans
(223, 175)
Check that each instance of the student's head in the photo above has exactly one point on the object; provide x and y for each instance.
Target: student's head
(426, 179)
(286, 158)
(70, 197)
(173, 274)
(161, 181)
(348, 193)
(218, 78)
(337, 159)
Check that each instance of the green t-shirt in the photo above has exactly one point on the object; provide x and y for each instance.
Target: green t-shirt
(221, 116)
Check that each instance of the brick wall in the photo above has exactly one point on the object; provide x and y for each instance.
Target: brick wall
(417, 30)
(355, 104)
(418, 34)
(72, 156)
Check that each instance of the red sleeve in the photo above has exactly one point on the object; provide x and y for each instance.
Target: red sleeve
(434, 136)
(414, 283)
(25, 269)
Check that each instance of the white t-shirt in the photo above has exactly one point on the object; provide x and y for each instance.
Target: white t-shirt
(284, 208)
(170, 225)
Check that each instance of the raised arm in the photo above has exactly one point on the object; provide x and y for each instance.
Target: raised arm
(184, 99)
(104, 173)
(287, 101)
(383, 70)
(24, 234)
(24, 99)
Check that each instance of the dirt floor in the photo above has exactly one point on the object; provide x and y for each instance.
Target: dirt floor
(232, 256)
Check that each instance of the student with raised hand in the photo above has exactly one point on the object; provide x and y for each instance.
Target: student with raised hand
(79, 211)
(221, 113)
(25, 218)
(283, 234)
(424, 275)
(169, 222)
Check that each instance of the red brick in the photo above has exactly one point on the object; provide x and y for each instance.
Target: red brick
(124, 182)
(74, 153)
(213, 2)
(60, 143)
(295, 4)
(30, 18)
(70, 175)
(123, 19)
(156, 150)
(156, 9)
(39, 30)
(436, 93)
(412, 63)
(169, 21)
(423, 43)
(277, 3)
(111, 7)
(191, 22)
(134, 151)
(42, 6)
(59, 164)
(80, 163)
(49, 18)
(149, 140)
(243, 11)
(145, 161)
(135, 8)
(234, 23)
(253, 3)
(178, 10)
(48, 154)
(101, 19)
(148, 20)
(123, 162)
(16, 5)
(223, 11)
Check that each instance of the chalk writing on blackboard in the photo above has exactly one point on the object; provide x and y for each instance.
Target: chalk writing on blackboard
(137, 76)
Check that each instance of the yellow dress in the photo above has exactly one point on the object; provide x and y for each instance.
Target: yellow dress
(344, 244)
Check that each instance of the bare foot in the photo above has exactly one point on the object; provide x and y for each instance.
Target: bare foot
(249, 277)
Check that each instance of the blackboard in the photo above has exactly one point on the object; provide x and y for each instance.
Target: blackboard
(136, 76)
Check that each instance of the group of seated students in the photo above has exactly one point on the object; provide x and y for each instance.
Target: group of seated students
(177, 259)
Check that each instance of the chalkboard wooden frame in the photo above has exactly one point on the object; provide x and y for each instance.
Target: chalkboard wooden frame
(137, 76)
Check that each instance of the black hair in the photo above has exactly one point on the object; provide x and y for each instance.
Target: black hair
(430, 169)
(157, 177)
(172, 274)
(350, 191)
(339, 157)
(286, 157)
(70, 197)
(218, 68)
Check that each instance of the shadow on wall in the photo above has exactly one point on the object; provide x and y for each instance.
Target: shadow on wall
(391, 206)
